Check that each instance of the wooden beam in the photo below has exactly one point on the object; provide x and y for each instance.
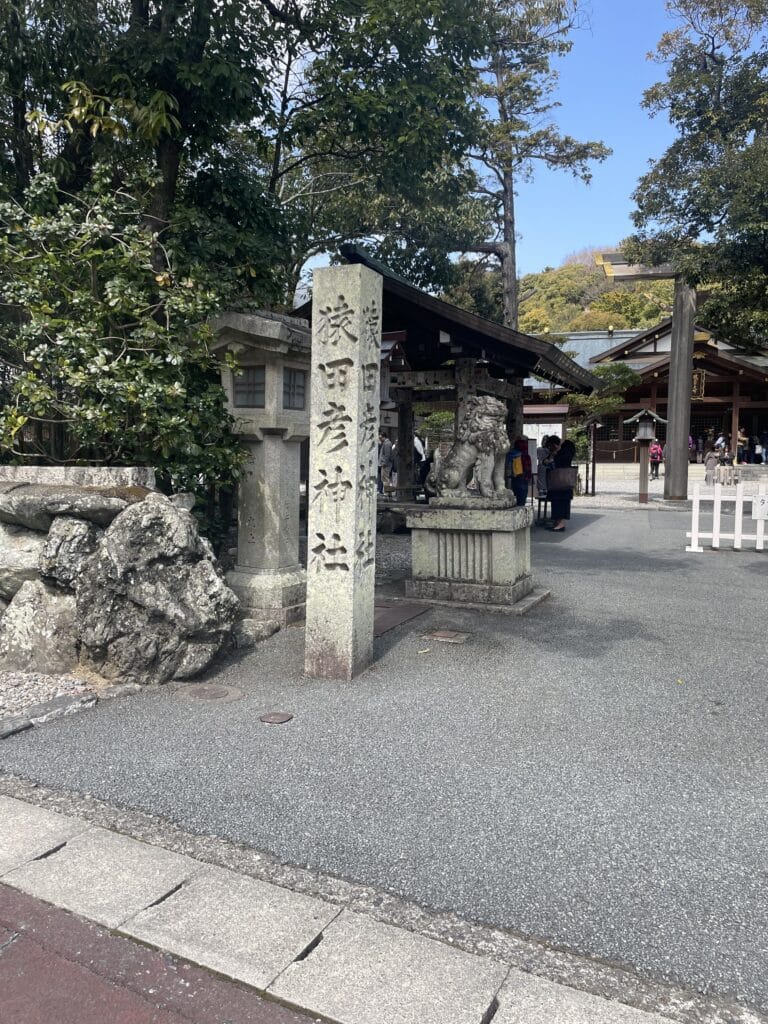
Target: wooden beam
(500, 388)
(422, 379)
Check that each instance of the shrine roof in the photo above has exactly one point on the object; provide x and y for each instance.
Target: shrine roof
(437, 333)
(728, 362)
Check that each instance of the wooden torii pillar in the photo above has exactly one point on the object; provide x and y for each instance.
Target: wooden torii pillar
(406, 483)
(680, 364)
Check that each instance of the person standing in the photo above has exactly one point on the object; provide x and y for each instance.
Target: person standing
(742, 444)
(520, 469)
(758, 452)
(655, 454)
(544, 455)
(385, 464)
(710, 466)
(561, 497)
(419, 451)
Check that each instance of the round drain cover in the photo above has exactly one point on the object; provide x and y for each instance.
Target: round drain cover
(276, 718)
(209, 691)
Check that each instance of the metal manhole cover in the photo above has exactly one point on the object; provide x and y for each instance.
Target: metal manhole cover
(448, 636)
(209, 691)
(276, 718)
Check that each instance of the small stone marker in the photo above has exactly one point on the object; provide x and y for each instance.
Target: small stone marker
(346, 366)
(276, 718)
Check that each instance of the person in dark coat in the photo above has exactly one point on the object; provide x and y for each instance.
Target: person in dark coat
(560, 500)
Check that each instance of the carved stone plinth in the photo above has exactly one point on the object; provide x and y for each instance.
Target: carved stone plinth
(270, 595)
(470, 555)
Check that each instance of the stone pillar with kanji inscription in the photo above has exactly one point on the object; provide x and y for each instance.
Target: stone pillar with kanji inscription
(341, 494)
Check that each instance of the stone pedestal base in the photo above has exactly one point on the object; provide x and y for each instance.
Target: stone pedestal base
(470, 555)
(443, 591)
(279, 594)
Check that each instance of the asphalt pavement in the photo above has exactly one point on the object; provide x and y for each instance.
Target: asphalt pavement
(593, 774)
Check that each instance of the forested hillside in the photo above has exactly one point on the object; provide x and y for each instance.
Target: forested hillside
(573, 297)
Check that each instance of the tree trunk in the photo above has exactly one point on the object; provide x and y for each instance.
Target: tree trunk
(168, 156)
(78, 154)
(508, 257)
(282, 122)
(21, 144)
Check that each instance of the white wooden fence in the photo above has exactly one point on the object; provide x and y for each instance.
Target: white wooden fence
(754, 520)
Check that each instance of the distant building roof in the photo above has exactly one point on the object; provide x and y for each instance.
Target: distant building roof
(583, 347)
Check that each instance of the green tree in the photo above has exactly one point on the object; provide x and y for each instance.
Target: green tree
(146, 87)
(363, 147)
(517, 86)
(106, 355)
(321, 122)
(189, 97)
(638, 305)
(576, 296)
(476, 288)
(535, 320)
(617, 379)
(703, 205)
(596, 320)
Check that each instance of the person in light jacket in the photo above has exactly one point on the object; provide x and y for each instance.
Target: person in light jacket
(711, 460)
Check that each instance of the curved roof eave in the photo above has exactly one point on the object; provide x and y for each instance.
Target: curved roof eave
(538, 357)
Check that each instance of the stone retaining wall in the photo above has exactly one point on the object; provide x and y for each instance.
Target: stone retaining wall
(81, 476)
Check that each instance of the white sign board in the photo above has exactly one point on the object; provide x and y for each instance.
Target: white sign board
(760, 506)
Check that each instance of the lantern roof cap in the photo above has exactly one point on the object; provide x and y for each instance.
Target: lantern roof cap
(645, 413)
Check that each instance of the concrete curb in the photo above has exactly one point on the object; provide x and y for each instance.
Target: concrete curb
(509, 979)
(46, 711)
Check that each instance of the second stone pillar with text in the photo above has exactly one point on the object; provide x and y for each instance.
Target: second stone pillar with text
(341, 494)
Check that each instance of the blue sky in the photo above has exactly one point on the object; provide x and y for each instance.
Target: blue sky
(601, 86)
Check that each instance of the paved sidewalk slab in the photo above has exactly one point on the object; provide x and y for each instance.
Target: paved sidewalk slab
(526, 999)
(240, 927)
(71, 971)
(28, 832)
(41, 988)
(363, 972)
(103, 876)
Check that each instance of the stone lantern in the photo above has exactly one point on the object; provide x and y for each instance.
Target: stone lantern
(645, 423)
(269, 400)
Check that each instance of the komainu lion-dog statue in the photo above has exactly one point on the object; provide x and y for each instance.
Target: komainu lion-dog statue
(481, 447)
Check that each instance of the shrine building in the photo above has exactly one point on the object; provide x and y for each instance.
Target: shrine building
(729, 388)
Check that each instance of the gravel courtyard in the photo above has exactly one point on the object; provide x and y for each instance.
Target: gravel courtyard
(593, 774)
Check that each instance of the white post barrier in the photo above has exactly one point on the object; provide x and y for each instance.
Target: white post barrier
(758, 513)
(695, 513)
(716, 513)
(738, 513)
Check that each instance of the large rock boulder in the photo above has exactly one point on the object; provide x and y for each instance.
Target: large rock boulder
(20, 551)
(38, 631)
(69, 544)
(151, 605)
(36, 505)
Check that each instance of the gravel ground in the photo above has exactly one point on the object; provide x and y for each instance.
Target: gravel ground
(21, 690)
(593, 774)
